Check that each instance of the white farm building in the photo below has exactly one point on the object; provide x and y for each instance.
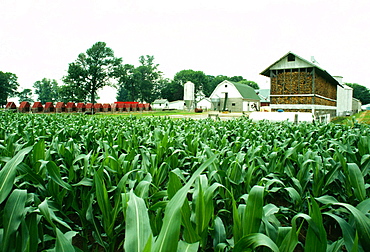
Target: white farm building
(234, 97)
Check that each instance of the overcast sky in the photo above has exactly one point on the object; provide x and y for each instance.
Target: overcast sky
(39, 38)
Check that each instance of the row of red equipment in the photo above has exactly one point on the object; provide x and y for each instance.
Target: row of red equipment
(59, 107)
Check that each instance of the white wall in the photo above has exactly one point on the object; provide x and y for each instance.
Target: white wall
(160, 106)
(225, 87)
(344, 100)
(281, 116)
(204, 104)
(176, 105)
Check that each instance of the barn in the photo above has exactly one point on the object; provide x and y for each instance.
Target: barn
(234, 97)
(298, 85)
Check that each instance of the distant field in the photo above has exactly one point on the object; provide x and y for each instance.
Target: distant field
(364, 117)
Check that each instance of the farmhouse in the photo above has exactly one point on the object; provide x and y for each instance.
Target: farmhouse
(300, 85)
(234, 97)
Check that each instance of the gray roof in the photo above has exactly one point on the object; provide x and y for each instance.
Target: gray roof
(160, 101)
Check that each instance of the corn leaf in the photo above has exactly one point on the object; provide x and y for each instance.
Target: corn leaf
(357, 181)
(138, 228)
(314, 242)
(347, 231)
(64, 241)
(54, 173)
(8, 173)
(253, 241)
(187, 247)
(13, 215)
(219, 232)
(253, 212)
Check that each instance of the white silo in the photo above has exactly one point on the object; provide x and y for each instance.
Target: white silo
(189, 90)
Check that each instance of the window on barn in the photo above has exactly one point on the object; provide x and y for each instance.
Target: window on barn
(291, 57)
(233, 104)
(225, 85)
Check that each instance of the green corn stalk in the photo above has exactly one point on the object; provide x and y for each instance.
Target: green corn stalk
(167, 239)
(362, 222)
(314, 242)
(252, 215)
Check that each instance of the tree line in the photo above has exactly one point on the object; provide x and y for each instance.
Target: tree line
(98, 67)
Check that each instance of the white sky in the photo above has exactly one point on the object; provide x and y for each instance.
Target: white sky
(39, 38)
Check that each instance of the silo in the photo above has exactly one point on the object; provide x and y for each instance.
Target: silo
(344, 98)
(189, 90)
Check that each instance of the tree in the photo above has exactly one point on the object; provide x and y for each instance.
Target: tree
(47, 90)
(360, 92)
(172, 91)
(252, 84)
(25, 95)
(197, 77)
(8, 86)
(236, 78)
(92, 71)
(147, 77)
(141, 83)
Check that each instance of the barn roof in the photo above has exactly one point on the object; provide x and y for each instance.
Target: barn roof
(264, 94)
(306, 63)
(160, 101)
(245, 91)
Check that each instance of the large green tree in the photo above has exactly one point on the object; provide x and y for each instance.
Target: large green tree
(172, 91)
(47, 90)
(25, 95)
(8, 86)
(199, 79)
(142, 83)
(92, 71)
(360, 92)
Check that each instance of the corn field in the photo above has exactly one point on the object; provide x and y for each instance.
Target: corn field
(109, 183)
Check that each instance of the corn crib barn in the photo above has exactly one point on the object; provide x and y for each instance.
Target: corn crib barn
(298, 85)
(71, 107)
